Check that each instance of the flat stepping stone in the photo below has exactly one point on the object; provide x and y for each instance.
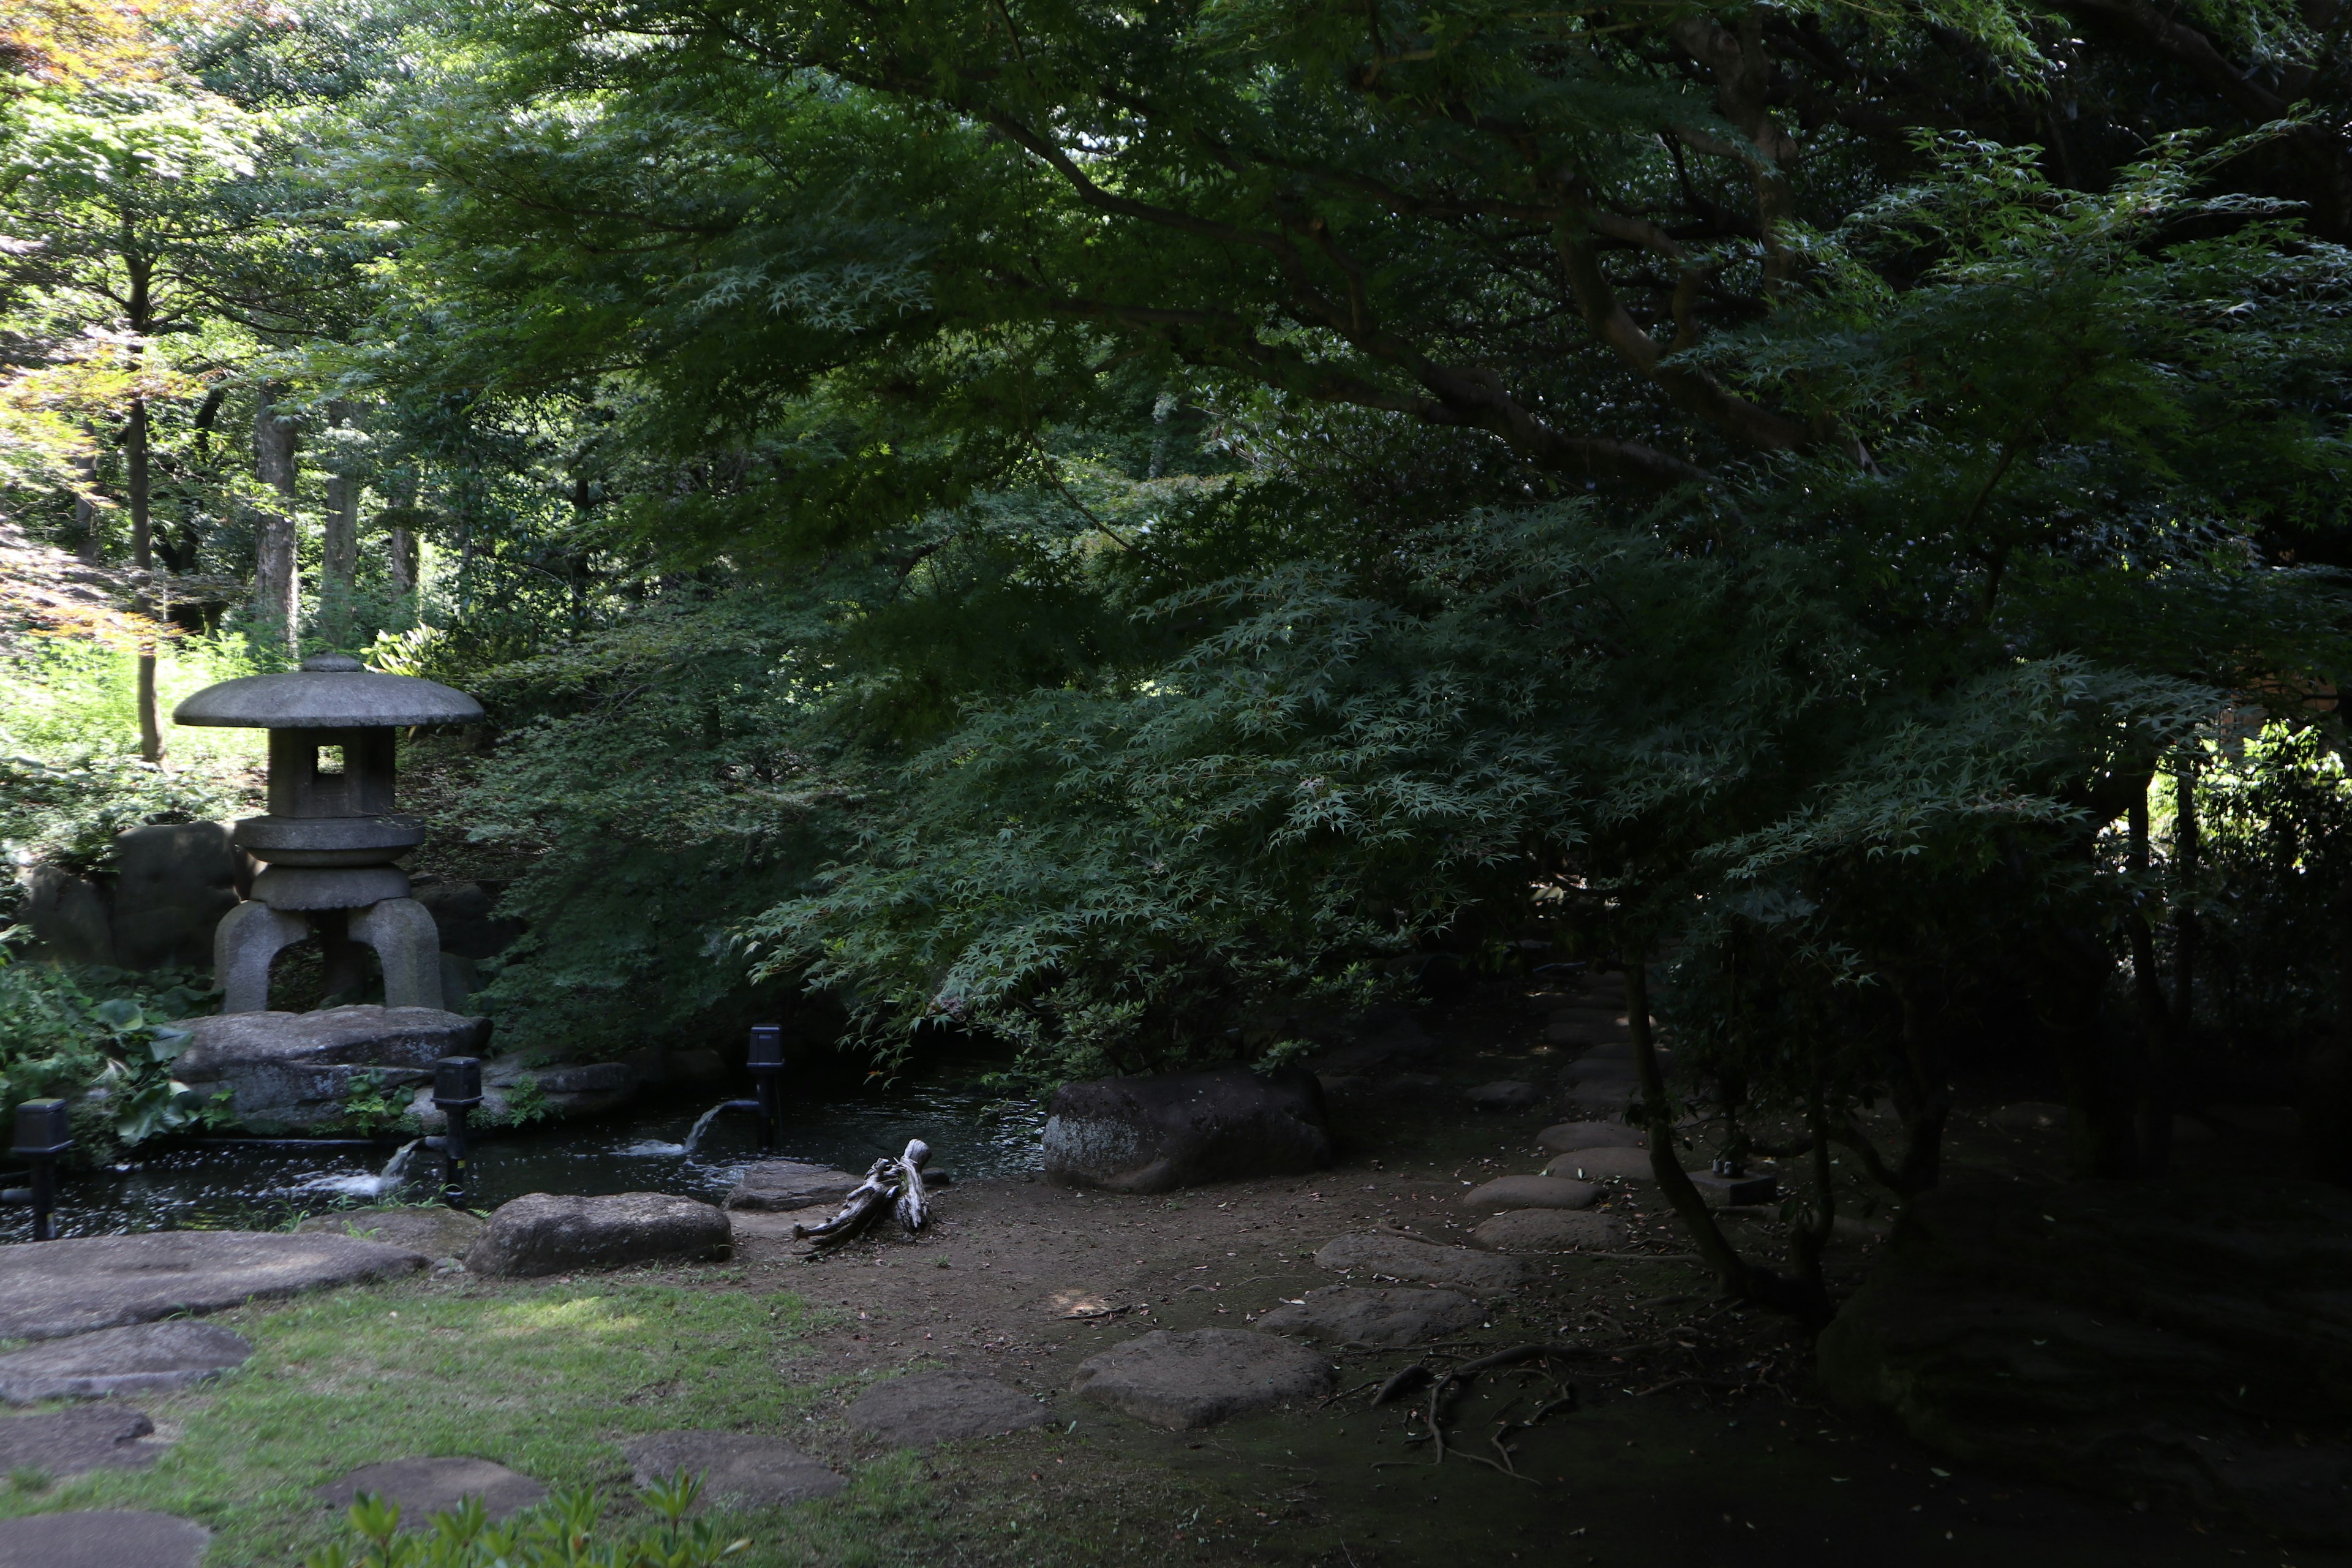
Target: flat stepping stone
(67, 1442)
(423, 1488)
(435, 1232)
(1551, 1230)
(145, 1358)
(1403, 1258)
(1184, 1382)
(775, 1186)
(1353, 1316)
(540, 1233)
(52, 1289)
(1510, 1094)
(1601, 1074)
(1569, 1137)
(2030, 1116)
(1602, 1165)
(926, 1408)
(110, 1538)
(1546, 1192)
(746, 1468)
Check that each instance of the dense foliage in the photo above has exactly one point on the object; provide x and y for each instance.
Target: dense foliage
(569, 1530)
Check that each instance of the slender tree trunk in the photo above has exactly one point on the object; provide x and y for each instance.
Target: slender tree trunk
(86, 510)
(277, 568)
(2155, 1097)
(339, 556)
(142, 556)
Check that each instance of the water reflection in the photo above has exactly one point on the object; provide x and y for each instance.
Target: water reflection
(266, 1187)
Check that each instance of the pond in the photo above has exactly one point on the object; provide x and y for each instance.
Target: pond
(253, 1184)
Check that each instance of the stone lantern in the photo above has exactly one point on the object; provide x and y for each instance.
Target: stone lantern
(332, 835)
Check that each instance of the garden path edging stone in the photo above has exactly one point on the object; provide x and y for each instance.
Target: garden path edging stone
(106, 1538)
(1551, 1230)
(423, 1488)
(1574, 1137)
(1545, 1191)
(144, 1358)
(926, 1407)
(49, 1289)
(1185, 1381)
(82, 1438)
(747, 1468)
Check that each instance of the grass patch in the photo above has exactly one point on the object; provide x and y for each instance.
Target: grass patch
(548, 1380)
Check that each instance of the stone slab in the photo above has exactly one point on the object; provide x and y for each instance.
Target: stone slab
(746, 1469)
(1546, 1192)
(1570, 1137)
(83, 1437)
(144, 1358)
(437, 1232)
(293, 1072)
(540, 1233)
(1403, 1258)
(1510, 1094)
(1355, 1317)
(926, 1408)
(1603, 1166)
(108, 1537)
(775, 1186)
(1186, 1381)
(1551, 1230)
(423, 1488)
(52, 1289)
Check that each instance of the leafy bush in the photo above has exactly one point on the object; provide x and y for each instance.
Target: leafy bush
(568, 1531)
(67, 1033)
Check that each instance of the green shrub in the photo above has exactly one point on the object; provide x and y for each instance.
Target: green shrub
(568, 1531)
(67, 1032)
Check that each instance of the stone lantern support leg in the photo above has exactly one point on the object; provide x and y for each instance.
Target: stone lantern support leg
(243, 944)
(401, 932)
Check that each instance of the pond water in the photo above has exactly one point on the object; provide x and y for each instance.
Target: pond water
(264, 1186)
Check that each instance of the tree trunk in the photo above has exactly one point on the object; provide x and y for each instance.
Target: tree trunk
(339, 556)
(276, 567)
(142, 556)
(400, 529)
(86, 510)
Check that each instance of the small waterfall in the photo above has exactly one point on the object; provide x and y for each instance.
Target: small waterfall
(395, 1170)
(700, 1127)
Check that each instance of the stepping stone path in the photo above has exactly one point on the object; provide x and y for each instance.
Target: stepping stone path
(145, 1358)
(1378, 1319)
(2030, 1116)
(1184, 1382)
(111, 1538)
(1602, 1165)
(1550, 1230)
(1545, 1191)
(776, 1187)
(742, 1467)
(539, 1234)
(52, 1289)
(1569, 1137)
(926, 1408)
(423, 1488)
(67, 1442)
(1403, 1258)
(435, 1232)
(1509, 1095)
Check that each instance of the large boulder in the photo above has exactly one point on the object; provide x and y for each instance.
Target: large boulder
(540, 1233)
(173, 883)
(68, 917)
(294, 1071)
(516, 1087)
(1179, 1130)
(2177, 1342)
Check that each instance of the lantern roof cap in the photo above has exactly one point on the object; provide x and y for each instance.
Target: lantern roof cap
(330, 692)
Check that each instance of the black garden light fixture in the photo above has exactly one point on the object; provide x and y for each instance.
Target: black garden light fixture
(457, 1089)
(41, 1136)
(766, 1060)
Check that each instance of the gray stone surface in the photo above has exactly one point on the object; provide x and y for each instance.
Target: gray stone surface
(926, 1408)
(1572, 1137)
(108, 1538)
(435, 1232)
(1349, 1315)
(68, 916)
(777, 1185)
(1551, 1230)
(292, 1071)
(1156, 1133)
(744, 1468)
(1186, 1381)
(326, 699)
(567, 1090)
(81, 1437)
(1602, 1165)
(1384, 1257)
(540, 1233)
(173, 882)
(51, 1288)
(423, 1488)
(1531, 1192)
(143, 1358)
(1508, 1094)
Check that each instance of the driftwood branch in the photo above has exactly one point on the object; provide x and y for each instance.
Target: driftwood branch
(890, 1185)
